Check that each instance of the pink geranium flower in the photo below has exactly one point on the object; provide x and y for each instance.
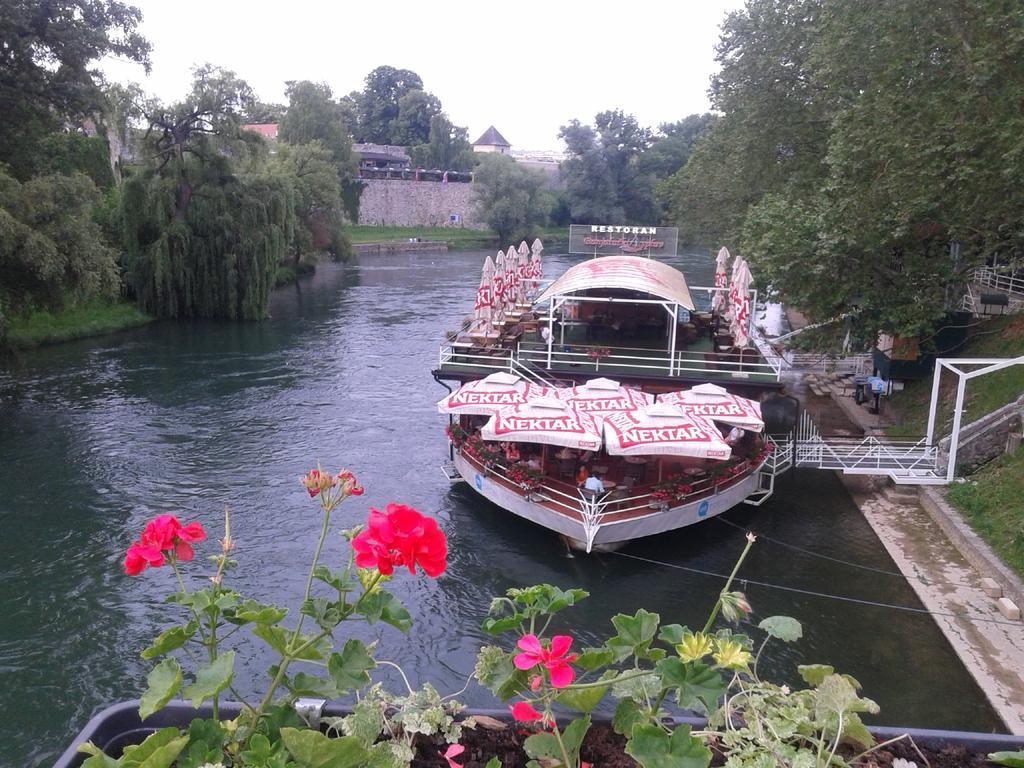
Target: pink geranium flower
(524, 712)
(398, 536)
(453, 751)
(555, 658)
(162, 538)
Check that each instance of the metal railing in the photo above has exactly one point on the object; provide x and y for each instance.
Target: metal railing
(990, 277)
(902, 460)
(856, 365)
(974, 304)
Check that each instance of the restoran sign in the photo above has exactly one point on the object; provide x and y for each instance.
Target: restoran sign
(610, 239)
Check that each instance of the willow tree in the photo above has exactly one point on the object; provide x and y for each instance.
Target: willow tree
(206, 226)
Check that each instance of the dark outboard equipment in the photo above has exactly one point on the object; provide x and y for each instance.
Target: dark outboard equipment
(780, 414)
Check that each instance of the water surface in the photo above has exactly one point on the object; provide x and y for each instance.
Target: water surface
(98, 436)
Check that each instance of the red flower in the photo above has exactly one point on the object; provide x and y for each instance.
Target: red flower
(162, 536)
(555, 659)
(401, 536)
(317, 481)
(524, 712)
(453, 751)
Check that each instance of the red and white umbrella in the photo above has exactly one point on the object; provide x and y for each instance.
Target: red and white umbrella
(718, 301)
(483, 307)
(487, 396)
(713, 402)
(599, 397)
(739, 297)
(511, 278)
(523, 270)
(498, 292)
(536, 263)
(662, 430)
(545, 420)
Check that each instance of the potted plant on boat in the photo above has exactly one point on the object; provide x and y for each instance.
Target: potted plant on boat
(527, 479)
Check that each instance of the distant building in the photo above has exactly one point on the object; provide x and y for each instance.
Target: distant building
(374, 157)
(492, 141)
(266, 130)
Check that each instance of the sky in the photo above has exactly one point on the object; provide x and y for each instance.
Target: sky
(525, 67)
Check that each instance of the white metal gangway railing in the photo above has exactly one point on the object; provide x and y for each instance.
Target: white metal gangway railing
(906, 462)
(784, 360)
(974, 304)
(990, 277)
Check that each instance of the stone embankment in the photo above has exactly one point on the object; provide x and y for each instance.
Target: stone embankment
(398, 203)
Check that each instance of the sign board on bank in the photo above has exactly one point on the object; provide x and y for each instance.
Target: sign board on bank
(613, 239)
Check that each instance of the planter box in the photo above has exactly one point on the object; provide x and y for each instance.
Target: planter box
(119, 725)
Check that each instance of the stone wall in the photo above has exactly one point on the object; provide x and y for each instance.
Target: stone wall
(397, 203)
(984, 439)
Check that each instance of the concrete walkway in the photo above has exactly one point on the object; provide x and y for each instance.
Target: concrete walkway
(993, 650)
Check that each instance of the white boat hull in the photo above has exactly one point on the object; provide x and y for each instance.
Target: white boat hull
(600, 534)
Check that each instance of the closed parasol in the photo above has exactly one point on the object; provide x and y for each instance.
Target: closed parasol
(718, 301)
(739, 295)
(498, 293)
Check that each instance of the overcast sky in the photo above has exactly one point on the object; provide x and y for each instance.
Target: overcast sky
(525, 67)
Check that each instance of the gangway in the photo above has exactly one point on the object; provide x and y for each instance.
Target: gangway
(906, 462)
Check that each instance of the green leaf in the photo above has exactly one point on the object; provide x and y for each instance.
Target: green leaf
(695, 682)
(159, 750)
(349, 668)
(494, 762)
(814, 674)
(653, 748)
(585, 699)
(212, 679)
(278, 639)
(311, 685)
(98, 759)
(384, 606)
(169, 639)
(544, 746)
(785, 628)
(497, 626)
(672, 634)
(635, 633)
(628, 715)
(256, 612)
(855, 731)
(495, 671)
(592, 658)
(1010, 759)
(312, 749)
(164, 681)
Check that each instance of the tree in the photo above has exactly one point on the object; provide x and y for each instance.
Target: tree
(312, 173)
(51, 250)
(510, 197)
(377, 105)
(261, 112)
(314, 115)
(46, 50)
(600, 172)
(448, 147)
(204, 232)
(412, 124)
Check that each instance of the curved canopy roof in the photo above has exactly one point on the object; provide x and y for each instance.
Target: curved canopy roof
(631, 273)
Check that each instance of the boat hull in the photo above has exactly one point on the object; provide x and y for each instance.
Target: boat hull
(604, 534)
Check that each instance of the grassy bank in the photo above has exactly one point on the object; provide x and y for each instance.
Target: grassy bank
(91, 319)
(992, 501)
(999, 337)
(456, 237)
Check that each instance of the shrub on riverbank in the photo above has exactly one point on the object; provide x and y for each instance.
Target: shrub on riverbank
(991, 502)
(91, 319)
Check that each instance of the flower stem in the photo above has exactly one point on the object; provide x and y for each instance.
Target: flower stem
(312, 568)
(728, 583)
(561, 746)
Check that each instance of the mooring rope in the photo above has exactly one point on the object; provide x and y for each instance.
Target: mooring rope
(812, 593)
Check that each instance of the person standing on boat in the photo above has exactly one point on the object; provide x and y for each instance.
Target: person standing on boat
(582, 474)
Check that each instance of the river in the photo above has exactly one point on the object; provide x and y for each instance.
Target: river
(99, 435)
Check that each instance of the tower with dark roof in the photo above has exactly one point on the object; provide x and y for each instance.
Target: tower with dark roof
(492, 141)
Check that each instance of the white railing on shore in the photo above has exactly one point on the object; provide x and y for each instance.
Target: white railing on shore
(991, 277)
(974, 304)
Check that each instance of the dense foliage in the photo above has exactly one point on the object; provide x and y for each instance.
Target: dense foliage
(614, 167)
(856, 143)
(510, 197)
